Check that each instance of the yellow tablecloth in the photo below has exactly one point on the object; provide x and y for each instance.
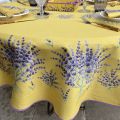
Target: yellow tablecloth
(60, 60)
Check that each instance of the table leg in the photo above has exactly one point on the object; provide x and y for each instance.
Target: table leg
(83, 108)
(50, 109)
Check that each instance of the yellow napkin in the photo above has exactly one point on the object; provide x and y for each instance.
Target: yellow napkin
(62, 5)
(30, 16)
(113, 3)
(9, 11)
(24, 2)
(113, 14)
(105, 22)
(62, 1)
(6, 21)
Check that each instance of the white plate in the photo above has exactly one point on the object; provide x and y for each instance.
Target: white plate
(25, 12)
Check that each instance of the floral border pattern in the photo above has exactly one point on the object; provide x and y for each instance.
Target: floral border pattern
(78, 66)
(20, 58)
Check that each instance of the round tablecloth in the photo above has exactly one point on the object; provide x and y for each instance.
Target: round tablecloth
(60, 60)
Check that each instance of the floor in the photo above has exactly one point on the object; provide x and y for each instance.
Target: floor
(94, 111)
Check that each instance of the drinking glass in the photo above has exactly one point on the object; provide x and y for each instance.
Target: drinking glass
(84, 5)
(100, 5)
(41, 4)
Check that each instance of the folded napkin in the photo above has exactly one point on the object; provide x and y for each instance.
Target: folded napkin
(102, 20)
(9, 11)
(114, 14)
(29, 13)
(24, 2)
(113, 3)
(7, 21)
(62, 5)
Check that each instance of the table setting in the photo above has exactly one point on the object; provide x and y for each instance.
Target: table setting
(64, 53)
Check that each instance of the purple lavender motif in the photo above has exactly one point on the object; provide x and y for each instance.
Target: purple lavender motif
(78, 68)
(110, 79)
(20, 58)
(49, 78)
(65, 94)
(49, 42)
(118, 65)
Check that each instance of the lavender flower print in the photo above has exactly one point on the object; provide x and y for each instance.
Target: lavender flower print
(110, 79)
(118, 65)
(21, 58)
(79, 67)
(49, 78)
(65, 94)
(49, 42)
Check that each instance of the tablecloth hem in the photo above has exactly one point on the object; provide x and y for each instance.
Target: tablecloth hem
(55, 109)
(45, 100)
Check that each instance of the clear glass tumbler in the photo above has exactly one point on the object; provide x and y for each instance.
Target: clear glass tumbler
(41, 4)
(100, 5)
